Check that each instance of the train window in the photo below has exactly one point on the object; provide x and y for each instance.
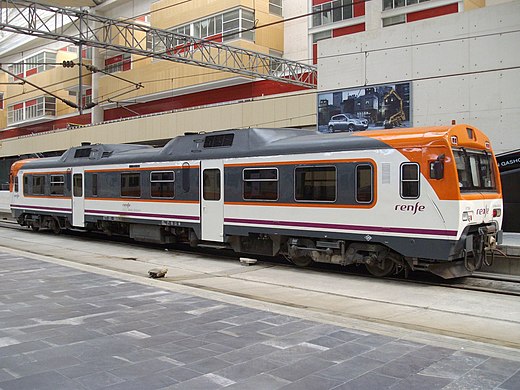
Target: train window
(57, 185)
(364, 183)
(260, 184)
(25, 185)
(131, 185)
(16, 184)
(315, 184)
(38, 185)
(475, 170)
(94, 184)
(162, 184)
(410, 180)
(77, 185)
(211, 184)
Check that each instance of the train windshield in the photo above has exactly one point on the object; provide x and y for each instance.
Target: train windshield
(475, 170)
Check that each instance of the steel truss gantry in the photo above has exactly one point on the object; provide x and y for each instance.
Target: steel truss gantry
(51, 22)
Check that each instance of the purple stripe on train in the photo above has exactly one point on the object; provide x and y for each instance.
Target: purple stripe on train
(130, 214)
(376, 229)
(66, 210)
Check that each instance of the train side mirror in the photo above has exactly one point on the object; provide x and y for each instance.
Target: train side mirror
(437, 168)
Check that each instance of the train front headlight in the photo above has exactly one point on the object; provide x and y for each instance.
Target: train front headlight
(497, 213)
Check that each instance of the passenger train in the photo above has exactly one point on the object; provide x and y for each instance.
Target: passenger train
(410, 199)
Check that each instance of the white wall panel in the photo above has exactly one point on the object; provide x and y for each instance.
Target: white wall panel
(432, 105)
(337, 71)
(447, 28)
(434, 59)
(493, 19)
(386, 66)
(494, 51)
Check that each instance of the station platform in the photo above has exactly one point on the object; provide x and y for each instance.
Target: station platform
(82, 314)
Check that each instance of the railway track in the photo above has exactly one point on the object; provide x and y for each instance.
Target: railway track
(480, 281)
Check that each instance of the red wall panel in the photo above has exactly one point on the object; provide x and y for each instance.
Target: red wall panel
(432, 12)
(318, 2)
(348, 30)
(359, 8)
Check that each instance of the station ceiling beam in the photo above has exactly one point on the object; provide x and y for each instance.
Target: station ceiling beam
(24, 17)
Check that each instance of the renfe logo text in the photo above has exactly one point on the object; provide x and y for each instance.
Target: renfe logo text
(412, 208)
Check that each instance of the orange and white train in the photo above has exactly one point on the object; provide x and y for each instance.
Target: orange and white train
(410, 199)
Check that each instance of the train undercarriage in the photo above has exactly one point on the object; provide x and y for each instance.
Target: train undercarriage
(379, 260)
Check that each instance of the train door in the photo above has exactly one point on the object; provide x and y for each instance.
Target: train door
(212, 200)
(78, 197)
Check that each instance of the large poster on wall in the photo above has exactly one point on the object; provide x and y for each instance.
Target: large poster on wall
(377, 107)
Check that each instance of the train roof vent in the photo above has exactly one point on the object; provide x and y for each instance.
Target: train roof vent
(82, 153)
(219, 140)
(107, 154)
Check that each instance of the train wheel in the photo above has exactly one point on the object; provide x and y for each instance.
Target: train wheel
(301, 261)
(385, 268)
(34, 228)
(55, 226)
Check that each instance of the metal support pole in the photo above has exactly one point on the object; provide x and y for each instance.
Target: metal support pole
(80, 87)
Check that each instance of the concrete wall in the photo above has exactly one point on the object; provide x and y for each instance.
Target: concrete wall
(463, 67)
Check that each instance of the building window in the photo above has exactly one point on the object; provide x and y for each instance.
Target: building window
(162, 184)
(364, 184)
(30, 109)
(131, 185)
(320, 36)
(186, 30)
(1, 100)
(205, 28)
(234, 24)
(393, 20)
(118, 63)
(260, 184)
(410, 180)
(18, 69)
(331, 12)
(391, 4)
(57, 184)
(275, 65)
(34, 64)
(315, 184)
(275, 7)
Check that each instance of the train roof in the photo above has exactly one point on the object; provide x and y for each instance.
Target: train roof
(255, 142)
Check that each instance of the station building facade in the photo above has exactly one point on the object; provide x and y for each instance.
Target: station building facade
(458, 59)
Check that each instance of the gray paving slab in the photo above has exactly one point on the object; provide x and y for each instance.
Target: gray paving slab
(61, 328)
